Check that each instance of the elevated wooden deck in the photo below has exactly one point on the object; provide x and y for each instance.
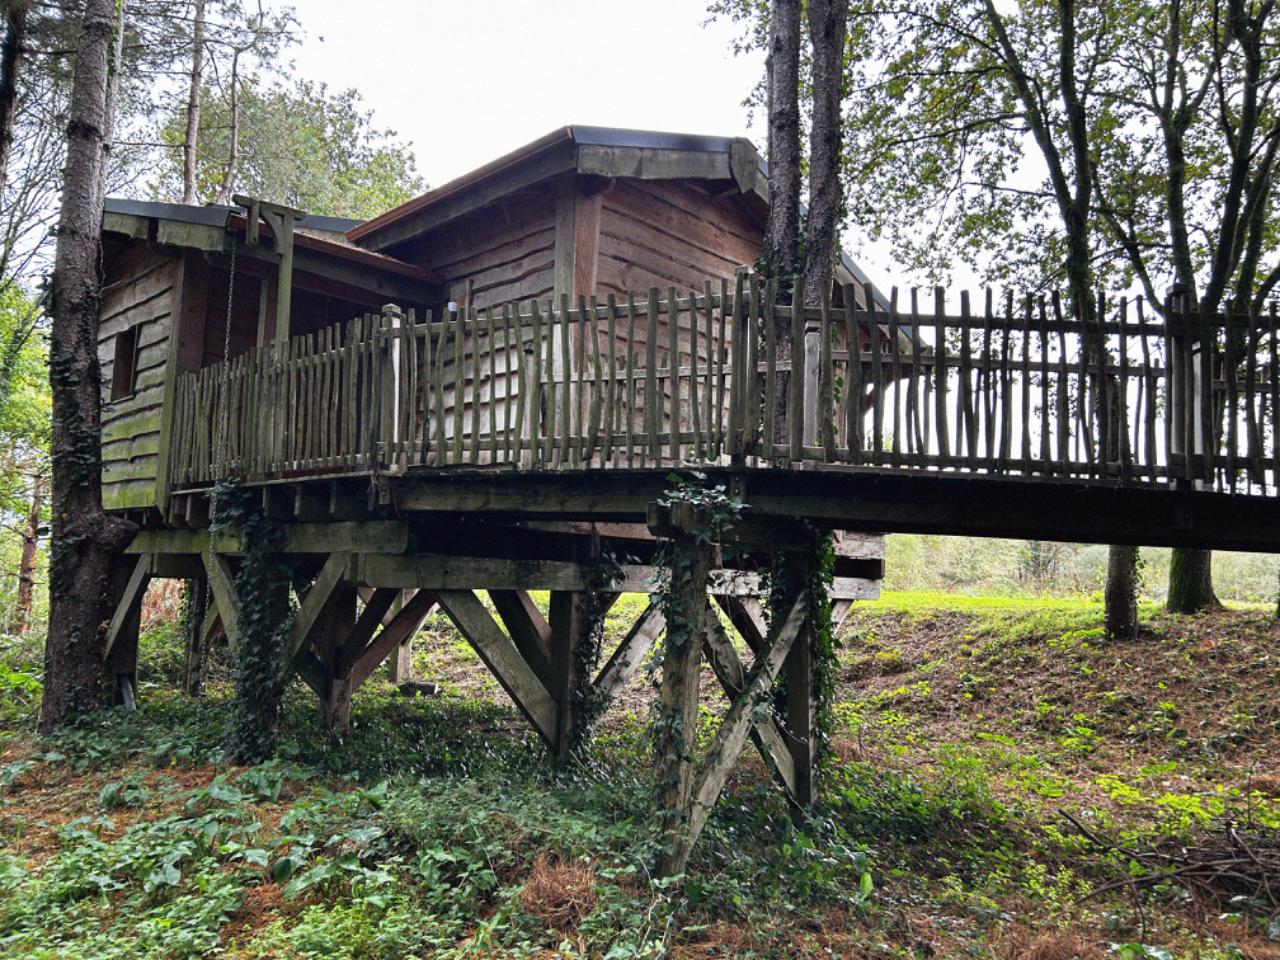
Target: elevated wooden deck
(1014, 420)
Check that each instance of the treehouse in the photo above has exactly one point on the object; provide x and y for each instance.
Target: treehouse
(573, 218)
(489, 388)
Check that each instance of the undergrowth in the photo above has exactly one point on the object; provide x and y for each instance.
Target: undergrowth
(963, 730)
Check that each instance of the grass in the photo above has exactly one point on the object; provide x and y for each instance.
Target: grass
(966, 726)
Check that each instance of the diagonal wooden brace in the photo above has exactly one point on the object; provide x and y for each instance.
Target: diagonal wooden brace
(502, 658)
(129, 601)
(313, 603)
(630, 654)
(401, 627)
(709, 775)
(768, 736)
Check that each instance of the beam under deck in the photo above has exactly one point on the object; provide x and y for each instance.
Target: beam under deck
(881, 501)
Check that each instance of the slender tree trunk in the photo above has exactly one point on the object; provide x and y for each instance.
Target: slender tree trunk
(85, 541)
(27, 561)
(780, 251)
(780, 256)
(193, 107)
(11, 56)
(828, 27)
(1121, 620)
(1191, 581)
(233, 155)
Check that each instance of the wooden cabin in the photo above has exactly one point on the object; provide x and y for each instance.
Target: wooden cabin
(578, 215)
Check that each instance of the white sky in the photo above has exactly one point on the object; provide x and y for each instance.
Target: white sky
(465, 82)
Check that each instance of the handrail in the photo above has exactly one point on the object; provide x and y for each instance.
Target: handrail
(1021, 389)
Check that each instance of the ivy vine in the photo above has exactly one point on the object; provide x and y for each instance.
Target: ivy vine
(263, 622)
(585, 700)
(714, 511)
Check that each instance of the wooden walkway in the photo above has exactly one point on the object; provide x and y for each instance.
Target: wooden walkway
(1015, 391)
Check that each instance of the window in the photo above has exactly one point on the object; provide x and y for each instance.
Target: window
(124, 369)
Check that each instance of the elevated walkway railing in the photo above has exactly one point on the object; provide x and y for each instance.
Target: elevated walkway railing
(730, 376)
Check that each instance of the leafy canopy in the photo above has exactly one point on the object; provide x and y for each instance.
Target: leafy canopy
(300, 144)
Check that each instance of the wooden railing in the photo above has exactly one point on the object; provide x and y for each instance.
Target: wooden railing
(1011, 388)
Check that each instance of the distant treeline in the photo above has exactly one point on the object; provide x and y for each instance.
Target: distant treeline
(980, 566)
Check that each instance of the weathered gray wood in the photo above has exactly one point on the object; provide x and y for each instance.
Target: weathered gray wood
(677, 720)
(367, 536)
(708, 779)
(222, 583)
(768, 737)
(631, 652)
(445, 572)
(399, 632)
(528, 629)
(129, 600)
(312, 606)
(502, 658)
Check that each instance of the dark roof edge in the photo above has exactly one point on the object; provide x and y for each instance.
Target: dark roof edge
(213, 214)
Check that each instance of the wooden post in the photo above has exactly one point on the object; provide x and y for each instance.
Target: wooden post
(400, 663)
(333, 633)
(196, 638)
(568, 624)
(681, 666)
(813, 332)
(798, 568)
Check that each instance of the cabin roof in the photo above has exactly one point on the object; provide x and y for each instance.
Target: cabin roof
(587, 150)
(216, 215)
(320, 244)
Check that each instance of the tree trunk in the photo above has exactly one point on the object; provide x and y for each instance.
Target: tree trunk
(1121, 619)
(193, 107)
(780, 251)
(1191, 581)
(84, 540)
(780, 256)
(27, 563)
(828, 27)
(11, 55)
(227, 189)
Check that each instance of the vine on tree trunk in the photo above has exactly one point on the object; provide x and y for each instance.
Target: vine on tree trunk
(263, 623)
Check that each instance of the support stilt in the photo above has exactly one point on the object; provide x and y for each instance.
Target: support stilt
(197, 637)
(568, 621)
(333, 638)
(801, 713)
(677, 722)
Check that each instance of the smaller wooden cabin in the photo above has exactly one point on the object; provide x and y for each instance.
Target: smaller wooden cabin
(170, 306)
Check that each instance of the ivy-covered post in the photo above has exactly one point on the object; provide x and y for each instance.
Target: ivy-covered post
(811, 664)
(195, 597)
(684, 604)
(253, 600)
(798, 669)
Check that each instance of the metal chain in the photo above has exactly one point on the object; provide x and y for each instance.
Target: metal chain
(220, 447)
(220, 450)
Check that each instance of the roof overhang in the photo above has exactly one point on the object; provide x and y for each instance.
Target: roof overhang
(590, 151)
(319, 244)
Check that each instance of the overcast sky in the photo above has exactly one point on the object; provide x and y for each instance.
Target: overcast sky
(467, 81)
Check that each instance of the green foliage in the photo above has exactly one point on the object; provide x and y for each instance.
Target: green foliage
(301, 144)
(263, 621)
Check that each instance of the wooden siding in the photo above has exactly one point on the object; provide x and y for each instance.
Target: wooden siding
(506, 252)
(139, 293)
(664, 233)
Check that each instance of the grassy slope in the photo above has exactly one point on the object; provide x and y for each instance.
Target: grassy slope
(964, 727)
